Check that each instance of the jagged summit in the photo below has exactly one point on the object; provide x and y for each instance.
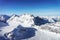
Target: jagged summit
(24, 20)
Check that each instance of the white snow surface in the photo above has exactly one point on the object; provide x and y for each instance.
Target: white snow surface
(24, 20)
(49, 31)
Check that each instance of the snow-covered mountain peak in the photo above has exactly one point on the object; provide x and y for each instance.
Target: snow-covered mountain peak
(28, 20)
(51, 19)
(25, 20)
(4, 18)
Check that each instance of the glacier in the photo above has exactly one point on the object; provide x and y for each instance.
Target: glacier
(29, 27)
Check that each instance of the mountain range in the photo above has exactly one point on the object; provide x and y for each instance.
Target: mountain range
(29, 27)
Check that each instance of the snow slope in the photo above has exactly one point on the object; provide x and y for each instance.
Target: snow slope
(24, 20)
(14, 21)
(28, 27)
